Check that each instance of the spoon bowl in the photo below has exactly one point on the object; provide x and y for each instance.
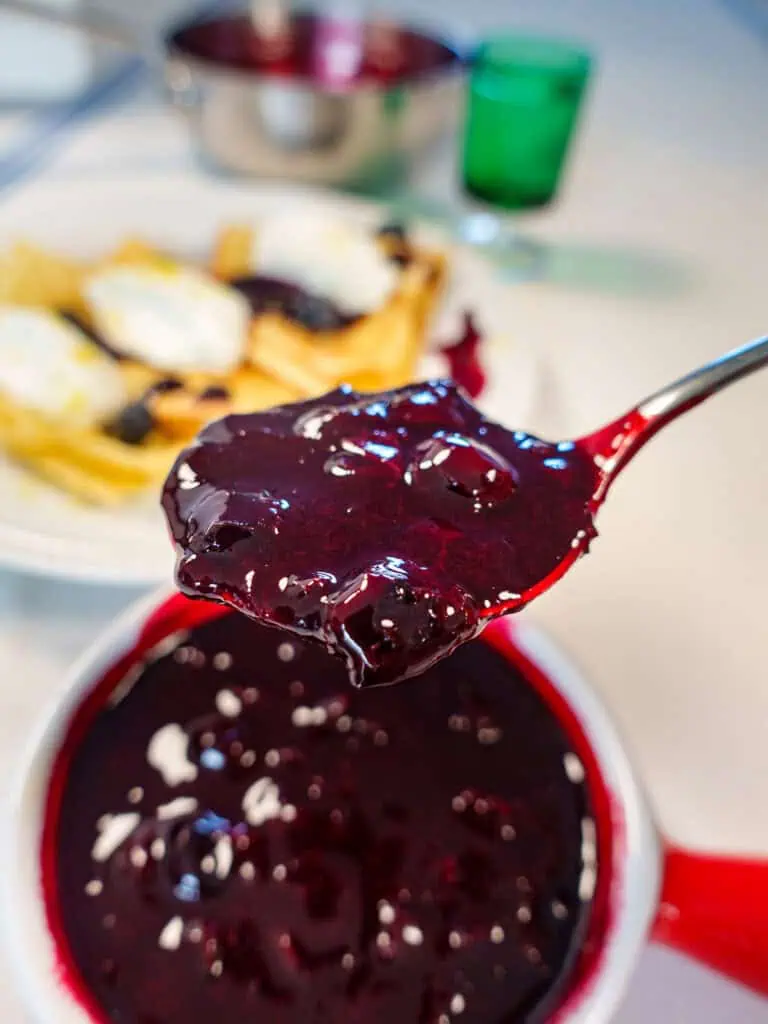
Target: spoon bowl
(392, 527)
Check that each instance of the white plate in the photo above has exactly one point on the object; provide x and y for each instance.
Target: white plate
(41, 529)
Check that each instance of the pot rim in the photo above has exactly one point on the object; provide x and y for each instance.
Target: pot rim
(214, 70)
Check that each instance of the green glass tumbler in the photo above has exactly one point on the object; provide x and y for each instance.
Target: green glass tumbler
(524, 98)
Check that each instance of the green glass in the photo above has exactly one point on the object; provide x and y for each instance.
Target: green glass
(524, 99)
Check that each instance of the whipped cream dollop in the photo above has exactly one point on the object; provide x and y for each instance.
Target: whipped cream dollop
(50, 366)
(330, 257)
(173, 318)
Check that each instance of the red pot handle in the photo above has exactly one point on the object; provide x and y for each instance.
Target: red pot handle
(715, 909)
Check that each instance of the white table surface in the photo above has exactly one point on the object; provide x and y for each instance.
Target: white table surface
(659, 255)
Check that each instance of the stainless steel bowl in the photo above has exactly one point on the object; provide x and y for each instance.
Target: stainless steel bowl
(252, 119)
(256, 106)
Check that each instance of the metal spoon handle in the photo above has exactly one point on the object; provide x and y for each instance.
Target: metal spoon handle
(688, 391)
(613, 446)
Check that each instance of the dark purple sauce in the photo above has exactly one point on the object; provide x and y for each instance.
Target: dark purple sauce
(271, 295)
(389, 55)
(420, 857)
(214, 393)
(395, 235)
(463, 357)
(388, 526)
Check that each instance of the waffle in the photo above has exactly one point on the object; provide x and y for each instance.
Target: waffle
(284, 362)
(287, 362)
(87, 463)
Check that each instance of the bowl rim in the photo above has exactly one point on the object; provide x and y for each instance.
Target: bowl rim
(637, 852)
(456, 67)
(633, 880)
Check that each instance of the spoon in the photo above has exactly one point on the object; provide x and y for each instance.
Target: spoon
(613, 446)
(391, 527)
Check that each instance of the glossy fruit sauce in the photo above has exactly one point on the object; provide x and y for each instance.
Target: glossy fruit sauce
(463, 355)
(273, 295)
(306, 46)
(390, 526)
(236, 835)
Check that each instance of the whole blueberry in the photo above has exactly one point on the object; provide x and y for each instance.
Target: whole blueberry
(396, 234)
(394, 230)
(133, 424)
(214, 393)
(315, 313)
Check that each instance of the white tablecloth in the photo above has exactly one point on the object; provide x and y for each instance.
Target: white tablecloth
(660, 263)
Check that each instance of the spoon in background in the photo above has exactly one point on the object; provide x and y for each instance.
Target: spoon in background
(392, 527)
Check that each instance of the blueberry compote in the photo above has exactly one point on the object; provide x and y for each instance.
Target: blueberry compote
(389, 526)
(270, 294)
(463, 357)
(240, 837)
